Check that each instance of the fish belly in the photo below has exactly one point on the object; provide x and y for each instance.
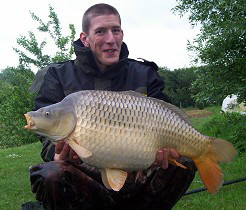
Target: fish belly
(113, 149)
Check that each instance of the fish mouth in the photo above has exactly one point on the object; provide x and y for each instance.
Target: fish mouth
(30, 122)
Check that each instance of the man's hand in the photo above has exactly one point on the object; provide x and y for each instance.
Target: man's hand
(64, 152)
(161, 160)
(162, 155)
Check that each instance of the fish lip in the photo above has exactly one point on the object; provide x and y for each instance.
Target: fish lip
(30, 122)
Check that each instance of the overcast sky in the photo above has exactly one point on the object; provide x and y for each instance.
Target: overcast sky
(151, 30)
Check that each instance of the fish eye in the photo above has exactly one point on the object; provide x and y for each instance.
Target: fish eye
(47, 114)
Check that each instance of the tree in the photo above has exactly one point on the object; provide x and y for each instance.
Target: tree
(220, 46)
(200, 88)
(35, 50)
(178, 84)
(15, 97)
(15, 101)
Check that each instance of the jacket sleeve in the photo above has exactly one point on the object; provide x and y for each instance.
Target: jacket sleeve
(155, 86)
(50, 92)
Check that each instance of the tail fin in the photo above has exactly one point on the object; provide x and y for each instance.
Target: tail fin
(208, 165)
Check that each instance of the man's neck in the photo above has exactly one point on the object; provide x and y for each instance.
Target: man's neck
(102, 68)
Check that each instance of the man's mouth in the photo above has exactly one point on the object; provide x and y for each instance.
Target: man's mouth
(109, 50)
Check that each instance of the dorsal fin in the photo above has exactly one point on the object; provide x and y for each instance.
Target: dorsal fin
(175, 109)
(132, 93)
(172, 107)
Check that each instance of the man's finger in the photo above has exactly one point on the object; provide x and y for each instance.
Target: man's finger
(72, 155)
(164, 163)
(65, 152)
(59, 146)
(174, 154)
(158, 158)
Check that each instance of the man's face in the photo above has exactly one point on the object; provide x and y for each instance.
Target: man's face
(104, 39)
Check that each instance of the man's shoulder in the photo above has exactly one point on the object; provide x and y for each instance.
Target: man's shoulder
(144, 63)
(65, 65)
(57, 68)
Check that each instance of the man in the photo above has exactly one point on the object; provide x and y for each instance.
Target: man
(101, 63)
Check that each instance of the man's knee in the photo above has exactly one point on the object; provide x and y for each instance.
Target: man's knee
(57, 183)
(46, 173)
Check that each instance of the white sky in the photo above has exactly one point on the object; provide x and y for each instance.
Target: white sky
(151, 30)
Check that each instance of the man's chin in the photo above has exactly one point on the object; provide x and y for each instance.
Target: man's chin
(110, 62)
(107, 63)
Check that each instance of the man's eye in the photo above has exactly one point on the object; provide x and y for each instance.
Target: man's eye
(100, 32)
(116, 30)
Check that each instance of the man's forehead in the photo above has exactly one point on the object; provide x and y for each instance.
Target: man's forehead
(104, 21)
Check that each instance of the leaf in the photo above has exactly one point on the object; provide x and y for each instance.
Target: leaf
(31, 50)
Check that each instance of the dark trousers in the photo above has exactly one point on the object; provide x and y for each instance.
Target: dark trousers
(64, 185)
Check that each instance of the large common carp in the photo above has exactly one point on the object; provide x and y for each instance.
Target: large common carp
(122, 131)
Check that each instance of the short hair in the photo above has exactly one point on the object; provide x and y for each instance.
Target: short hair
(97, 10)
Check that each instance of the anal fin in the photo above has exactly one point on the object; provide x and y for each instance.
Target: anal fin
(105, 179)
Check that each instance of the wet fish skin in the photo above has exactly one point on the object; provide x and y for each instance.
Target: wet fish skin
(122, 131)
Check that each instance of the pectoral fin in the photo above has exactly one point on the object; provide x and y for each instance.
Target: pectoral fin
(114, 178)
(81, 151)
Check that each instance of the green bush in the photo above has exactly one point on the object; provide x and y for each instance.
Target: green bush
(229, 126)
(15, 101)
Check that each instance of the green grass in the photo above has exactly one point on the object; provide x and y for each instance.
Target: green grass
(14, 175)
(15, 187)
(229, 197)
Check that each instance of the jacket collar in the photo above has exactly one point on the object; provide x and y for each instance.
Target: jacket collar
(85, 61)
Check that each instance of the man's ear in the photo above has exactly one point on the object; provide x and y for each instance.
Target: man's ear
(83, 38)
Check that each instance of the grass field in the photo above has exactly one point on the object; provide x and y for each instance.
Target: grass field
(14, 175)
(229, 197)
(15, 186)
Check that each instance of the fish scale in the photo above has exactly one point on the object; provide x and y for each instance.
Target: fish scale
(122, 131)
(116, 127)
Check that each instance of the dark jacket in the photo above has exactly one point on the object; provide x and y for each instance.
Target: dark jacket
(60, 79)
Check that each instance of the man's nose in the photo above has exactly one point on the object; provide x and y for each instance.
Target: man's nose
(110, 39)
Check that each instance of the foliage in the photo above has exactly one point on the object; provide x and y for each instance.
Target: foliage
(220, 46)
(203, 92)
(177, 85)
(38, 58)
(15, 100)
(229, 126)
